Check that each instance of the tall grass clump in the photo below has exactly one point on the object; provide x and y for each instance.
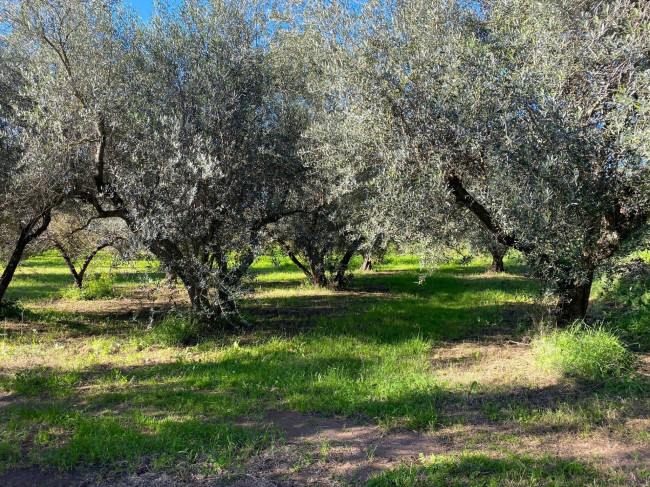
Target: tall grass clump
(585, 353)
(180, 329)
(96, 287)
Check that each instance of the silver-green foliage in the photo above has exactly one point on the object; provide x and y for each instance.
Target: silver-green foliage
(533, 116)
(180, 126)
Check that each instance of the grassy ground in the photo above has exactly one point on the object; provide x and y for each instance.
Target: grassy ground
(417, 384)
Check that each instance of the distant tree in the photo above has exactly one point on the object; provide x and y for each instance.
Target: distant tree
(79, 237)
(374, 251)
(483, 242)
(333, 212)
(324, 233)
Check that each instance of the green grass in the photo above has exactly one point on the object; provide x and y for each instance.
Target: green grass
(107, 389)
(45, 276)
(67, 439)
(480, 470)
(626, 300)
(591, 354)
(96, 287)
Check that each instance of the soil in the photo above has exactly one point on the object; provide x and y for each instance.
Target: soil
(35, 477)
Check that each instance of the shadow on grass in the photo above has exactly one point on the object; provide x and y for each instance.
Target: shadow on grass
(378, 307)
(172, 410)
(445, 281)
(385, 307)
(44, 276)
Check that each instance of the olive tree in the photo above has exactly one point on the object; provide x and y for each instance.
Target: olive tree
(532, 116)
(181, 127)
(32, 182)
(78, 237)
(325, 230)
(333, 214)
(212, 146)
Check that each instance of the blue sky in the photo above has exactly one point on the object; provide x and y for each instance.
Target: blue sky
(144, 7)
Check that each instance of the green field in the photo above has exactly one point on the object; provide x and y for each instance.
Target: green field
(458, 367)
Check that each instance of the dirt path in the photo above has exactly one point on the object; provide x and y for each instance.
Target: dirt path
(320, 450)
(34, 477)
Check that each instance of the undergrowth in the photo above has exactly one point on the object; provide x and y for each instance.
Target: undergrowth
(586, 353)
(94, 287)
(480, 470)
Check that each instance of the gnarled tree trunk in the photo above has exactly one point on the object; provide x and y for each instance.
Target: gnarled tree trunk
(29, 233)
(367, 262)
(316, 270)
(317, 273)
(497, 260)
(573, 300)
(339, 279)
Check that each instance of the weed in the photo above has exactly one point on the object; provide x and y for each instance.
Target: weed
(180, 329)
(95, 287)
(584, 353)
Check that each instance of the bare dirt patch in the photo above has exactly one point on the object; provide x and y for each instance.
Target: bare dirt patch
(331, 451)
(133, 303)
(489, 364)
(34, 476)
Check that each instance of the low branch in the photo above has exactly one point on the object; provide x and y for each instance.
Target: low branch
(466, 200)
(295, 260)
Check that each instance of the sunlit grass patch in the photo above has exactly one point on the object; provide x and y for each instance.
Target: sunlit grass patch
(64, 439)
(96, 287)
(585, 353)
(41, 380)
(477, 469)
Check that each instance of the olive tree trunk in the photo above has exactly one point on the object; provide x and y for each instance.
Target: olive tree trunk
(367, 262)
(78, 276)
(29, 233)
(497, 261)
(318, 275)
(573, 300)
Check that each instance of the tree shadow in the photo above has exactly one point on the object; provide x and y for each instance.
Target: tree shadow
(129, 411)
(395, 307)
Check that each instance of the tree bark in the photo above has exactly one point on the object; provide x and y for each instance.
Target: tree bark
(339, 280)
(199, 298)
(299, 264)
(89, 258)
(497, 261)
(367, 262)
(78, 280)
(30, 232)
(305, 270)
(573, 300)
(466, 200)
(79, 276)
(317, 270)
